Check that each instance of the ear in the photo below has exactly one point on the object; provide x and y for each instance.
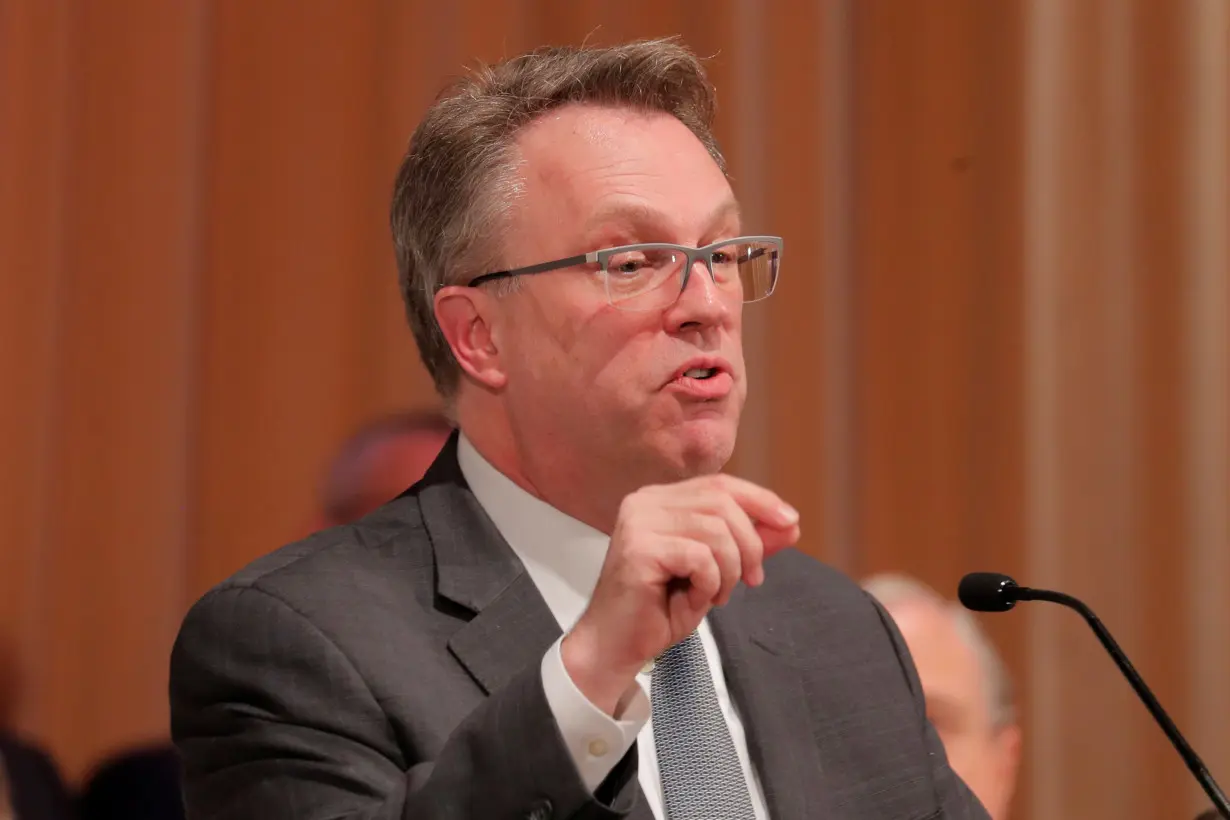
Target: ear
(466, 317)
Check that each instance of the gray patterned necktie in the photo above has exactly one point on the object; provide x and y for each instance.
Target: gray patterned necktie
(701, 775)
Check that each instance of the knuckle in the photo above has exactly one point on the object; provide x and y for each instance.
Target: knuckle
(712, 527)
(730, 508)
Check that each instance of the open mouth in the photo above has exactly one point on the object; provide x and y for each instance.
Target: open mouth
(701, 373)
(707, 381)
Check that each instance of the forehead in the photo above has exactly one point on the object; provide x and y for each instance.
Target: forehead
(584, 167)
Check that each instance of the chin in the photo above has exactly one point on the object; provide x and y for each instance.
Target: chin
(703, 446)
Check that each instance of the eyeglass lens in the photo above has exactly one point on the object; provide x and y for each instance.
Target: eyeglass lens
(651, 277)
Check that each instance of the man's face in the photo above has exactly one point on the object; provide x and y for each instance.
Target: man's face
(588, 381)
(983, 754)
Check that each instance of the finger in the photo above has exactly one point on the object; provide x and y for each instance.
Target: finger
(776, 539)
(763, 506)
(692, 561)
(748, 540)
(721, 504)
(713, 530)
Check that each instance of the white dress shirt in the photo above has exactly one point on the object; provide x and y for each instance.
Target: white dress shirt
(564, 558)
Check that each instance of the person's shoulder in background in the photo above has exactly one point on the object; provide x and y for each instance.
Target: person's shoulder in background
(138, 784)
(36, 788)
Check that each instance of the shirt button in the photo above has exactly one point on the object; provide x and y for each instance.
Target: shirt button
(598, 747)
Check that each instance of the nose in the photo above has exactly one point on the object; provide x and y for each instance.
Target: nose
(701, 303)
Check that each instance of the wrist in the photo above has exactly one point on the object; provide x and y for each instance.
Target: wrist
(602, 679)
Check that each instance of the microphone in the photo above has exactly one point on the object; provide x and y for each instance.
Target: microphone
(993, 592)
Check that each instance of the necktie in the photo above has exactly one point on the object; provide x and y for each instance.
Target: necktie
(701, 775)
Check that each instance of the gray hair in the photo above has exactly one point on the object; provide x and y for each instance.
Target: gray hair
(892, 589)
(459, 179)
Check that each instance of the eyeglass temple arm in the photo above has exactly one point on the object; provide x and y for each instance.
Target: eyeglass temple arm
(541, 267)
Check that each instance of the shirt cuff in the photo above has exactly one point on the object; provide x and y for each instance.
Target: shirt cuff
(595, 740)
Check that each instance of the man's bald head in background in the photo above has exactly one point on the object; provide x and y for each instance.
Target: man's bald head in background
(968, 692)
(378, 462)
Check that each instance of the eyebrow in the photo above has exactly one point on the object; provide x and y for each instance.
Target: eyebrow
(641, 216)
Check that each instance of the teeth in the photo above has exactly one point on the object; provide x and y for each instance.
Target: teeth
(700, 372)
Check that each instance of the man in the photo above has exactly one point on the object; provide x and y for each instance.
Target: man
(574, 614)
(378, 462)
(968, 691)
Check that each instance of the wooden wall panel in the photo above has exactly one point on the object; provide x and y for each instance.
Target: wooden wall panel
(34, 77)
(787, 368)
(298, 249)
(1082, 455)
(1000, 340)
(1160, 527)
(937, 370)
(994, 442)
(1206, 352)
(914, 294)
(1110, 273)
(117, 491)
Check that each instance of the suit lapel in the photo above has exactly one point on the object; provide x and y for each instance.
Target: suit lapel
(477, 570)
(768, 691)
(514, 630)
(641, 810)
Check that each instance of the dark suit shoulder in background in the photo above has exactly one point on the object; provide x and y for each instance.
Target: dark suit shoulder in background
(36, 788)
(141, 784)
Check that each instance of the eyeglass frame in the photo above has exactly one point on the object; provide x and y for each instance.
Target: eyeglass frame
(601, 257)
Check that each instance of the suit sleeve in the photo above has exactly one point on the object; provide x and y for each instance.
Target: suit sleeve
(956, 801)
(273, 721)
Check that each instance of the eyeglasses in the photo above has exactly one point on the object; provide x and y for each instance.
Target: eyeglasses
(651, 276)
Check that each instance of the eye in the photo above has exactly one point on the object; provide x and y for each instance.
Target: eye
(627, 264)
(722, 256)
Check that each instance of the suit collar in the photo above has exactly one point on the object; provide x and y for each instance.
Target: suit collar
(563, 556)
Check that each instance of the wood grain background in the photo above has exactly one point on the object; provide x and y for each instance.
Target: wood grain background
(1001, 339)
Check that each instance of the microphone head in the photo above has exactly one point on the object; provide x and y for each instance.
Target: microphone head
(987, 592)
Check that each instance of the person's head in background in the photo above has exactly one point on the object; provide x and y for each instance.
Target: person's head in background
(378, 462)
(968, 692)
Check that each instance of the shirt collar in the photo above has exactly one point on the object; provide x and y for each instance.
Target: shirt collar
(562, 555)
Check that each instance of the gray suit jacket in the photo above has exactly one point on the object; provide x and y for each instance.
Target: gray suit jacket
(391, 669)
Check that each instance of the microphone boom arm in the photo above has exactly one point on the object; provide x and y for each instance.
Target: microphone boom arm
(1193, 761)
